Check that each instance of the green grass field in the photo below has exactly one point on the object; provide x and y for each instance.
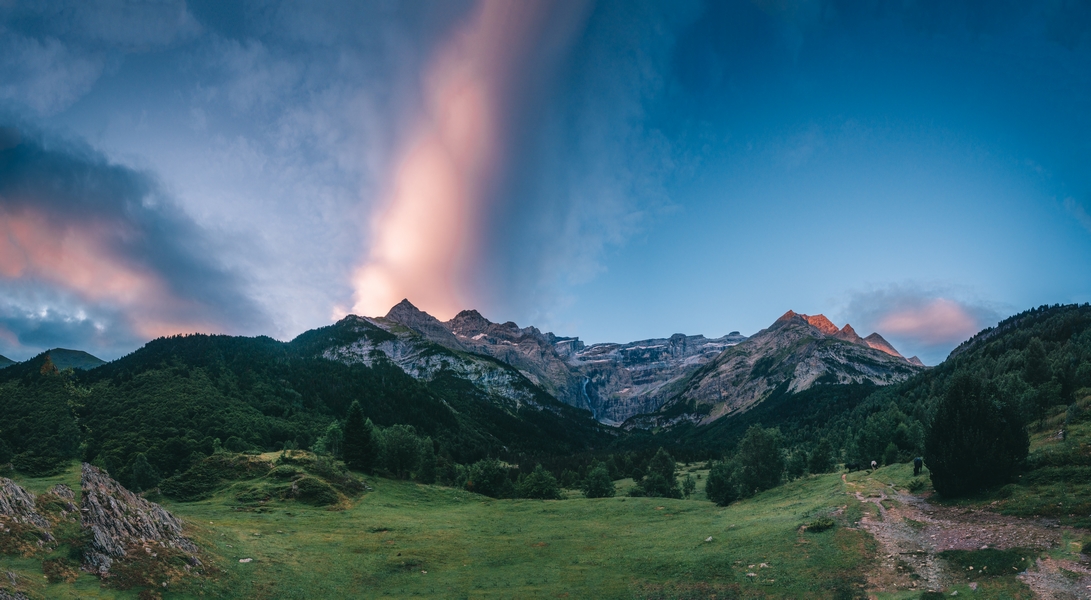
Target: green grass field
(409, 540)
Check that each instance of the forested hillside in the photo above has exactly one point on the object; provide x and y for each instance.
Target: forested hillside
(177, 398)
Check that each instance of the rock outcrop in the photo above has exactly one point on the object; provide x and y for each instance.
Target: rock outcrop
(118, 520)
(17, 504)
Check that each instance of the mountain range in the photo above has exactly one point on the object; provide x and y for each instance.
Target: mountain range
(648, 383)
(644, 384)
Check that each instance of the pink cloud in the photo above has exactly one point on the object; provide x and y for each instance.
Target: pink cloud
(77, 257)
(427, 232)
(939, 321)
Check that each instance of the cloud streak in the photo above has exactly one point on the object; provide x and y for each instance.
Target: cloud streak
(92, 252)
(425, 238)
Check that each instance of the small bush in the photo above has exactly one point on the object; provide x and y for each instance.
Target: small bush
(57, 570)
(210, 474)
(285, 472)
(540, 484)
(916, 484)
(821, 524)
(314, 491)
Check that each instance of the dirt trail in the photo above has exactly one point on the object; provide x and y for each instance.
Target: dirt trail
(911, 531)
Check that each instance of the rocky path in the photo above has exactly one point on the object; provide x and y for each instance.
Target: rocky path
(911, 532)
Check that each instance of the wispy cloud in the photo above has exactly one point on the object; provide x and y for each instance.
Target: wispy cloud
(1077, 210)
(928, 321)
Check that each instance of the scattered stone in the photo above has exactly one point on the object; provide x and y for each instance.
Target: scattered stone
(65, 493)
(245, 560)
(708, 539)
(18, 504)
(62, 491)
(6, 595)
(118, 519)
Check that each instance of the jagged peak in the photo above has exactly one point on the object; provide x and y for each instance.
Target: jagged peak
(787, 316)
(468, 323)
(876, 341)
(913, 360)
(402, 308)
(821, 323)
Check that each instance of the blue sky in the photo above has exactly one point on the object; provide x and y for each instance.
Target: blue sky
(616, 170)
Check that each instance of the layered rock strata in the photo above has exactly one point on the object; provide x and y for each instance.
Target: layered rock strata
(119, 519)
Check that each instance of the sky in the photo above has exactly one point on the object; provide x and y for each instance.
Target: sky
(615, 170)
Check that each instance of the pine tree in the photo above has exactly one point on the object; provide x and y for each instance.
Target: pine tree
(660, 480)
(144, 475)
(598, 483)
(975, 441)
(720, 486)
(358, 447)
(760, 461)
(426, 472)
(821, 459)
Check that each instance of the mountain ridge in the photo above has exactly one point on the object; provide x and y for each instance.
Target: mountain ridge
(796, 352)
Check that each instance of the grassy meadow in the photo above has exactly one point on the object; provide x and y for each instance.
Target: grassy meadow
(404, 539)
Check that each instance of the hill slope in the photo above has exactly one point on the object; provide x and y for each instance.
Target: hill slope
(73, 359)
(5, 361)
(175, 396)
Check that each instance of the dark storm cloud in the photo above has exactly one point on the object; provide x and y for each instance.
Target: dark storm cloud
(96, 253)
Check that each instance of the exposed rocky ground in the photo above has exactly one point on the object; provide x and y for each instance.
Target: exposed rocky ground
(119, 520)
(912, 532)
(17, 505)
(125, 539)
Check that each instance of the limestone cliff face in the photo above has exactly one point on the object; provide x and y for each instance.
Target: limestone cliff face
(422, 347)
(622, 380)
(540, 357)
(794, 352)
(613, 381)
(617, 382)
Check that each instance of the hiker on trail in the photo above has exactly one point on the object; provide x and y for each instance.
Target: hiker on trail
(874, 465)
(918, 464)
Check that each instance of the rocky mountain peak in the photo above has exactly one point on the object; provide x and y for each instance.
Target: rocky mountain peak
(821, 323)
(913, 360)
(405, 310)
(787, 316)
(404, 313)
(876, 341)
(468, 323)
(849, 334)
